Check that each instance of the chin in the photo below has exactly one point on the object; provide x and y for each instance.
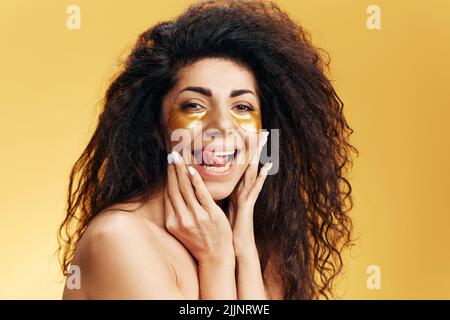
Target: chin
(219, 190)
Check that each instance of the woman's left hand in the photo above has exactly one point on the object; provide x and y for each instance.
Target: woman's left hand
(243, 198)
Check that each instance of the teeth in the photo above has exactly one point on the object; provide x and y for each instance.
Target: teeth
(229, 155)
(223, 153)
(217, 169)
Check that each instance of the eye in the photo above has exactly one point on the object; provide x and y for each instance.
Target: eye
(242, 108)
(192, 107)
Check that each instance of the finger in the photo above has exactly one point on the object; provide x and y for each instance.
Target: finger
(201, 191)
(185, 184)
(252, 170)
(232, 204)
(231, 218)
(257, 187)
(179, 205)
(169, 211)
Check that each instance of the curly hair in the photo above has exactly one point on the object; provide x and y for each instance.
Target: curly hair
(301, 217)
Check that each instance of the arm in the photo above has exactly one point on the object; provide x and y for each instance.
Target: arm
(249, 277)
(250, 284)
(217, 280)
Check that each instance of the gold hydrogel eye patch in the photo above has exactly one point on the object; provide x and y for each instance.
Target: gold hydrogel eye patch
(180, 118)
(250, 121)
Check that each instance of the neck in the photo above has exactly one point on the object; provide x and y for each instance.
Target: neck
(153, 208)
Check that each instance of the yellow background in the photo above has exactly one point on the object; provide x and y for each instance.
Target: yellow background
(394, 83)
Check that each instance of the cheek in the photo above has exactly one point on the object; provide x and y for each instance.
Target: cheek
(181, 140)
(240, 169)
(250, 144)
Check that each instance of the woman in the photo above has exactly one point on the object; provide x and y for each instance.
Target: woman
(153, 216)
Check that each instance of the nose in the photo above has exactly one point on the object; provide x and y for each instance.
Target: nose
(220, 120)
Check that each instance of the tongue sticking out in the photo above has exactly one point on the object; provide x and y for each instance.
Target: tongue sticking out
(210, 159)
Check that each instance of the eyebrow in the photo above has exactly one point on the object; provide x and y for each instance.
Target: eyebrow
(207, 92)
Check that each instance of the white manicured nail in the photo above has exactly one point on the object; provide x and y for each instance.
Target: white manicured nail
(169, 158)
(265, 135)
(191, 170)
(266, 168)
(176, 157)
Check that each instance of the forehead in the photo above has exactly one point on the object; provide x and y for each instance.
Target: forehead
(219, 75)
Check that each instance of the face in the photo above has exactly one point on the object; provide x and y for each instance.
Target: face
(212, 116)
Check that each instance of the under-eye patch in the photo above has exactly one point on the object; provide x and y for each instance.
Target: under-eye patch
(182, 118)
(250, 121)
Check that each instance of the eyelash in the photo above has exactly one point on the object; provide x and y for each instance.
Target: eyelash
(247, 108)
(187, 106)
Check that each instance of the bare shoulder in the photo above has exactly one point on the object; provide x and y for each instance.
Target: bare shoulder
(116, 222)
(119, 258)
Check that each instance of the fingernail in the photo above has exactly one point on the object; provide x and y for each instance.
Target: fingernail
(267, 167)
(176, 157)
(169, 158)
(265, 136)
(191, 170)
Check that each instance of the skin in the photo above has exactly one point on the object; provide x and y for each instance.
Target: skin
(184, 246)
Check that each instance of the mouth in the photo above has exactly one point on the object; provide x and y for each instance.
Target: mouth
(216, 162)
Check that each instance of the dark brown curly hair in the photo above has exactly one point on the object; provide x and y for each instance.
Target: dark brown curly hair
(301, 216)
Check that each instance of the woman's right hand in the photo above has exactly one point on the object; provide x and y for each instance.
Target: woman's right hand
(193, 217)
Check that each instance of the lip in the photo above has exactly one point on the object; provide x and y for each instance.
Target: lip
(217, 175)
